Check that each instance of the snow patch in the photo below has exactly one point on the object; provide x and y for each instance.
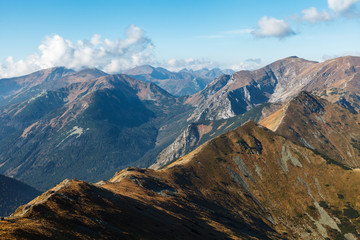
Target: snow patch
(43, 93)
(76, 131)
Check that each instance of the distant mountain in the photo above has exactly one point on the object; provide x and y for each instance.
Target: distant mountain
(184, 82)
(199, 132)
(17, 89)
(87, 130)
(53, 118)
(336, 80)
(13, 194)
(231, 95)
(330, 129)
(249, 183)
(320, 125)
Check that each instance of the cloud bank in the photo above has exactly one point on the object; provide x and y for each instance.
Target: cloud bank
(110, 56)
(272, 27)
(189, 63)
(248, 64)
(133, 50)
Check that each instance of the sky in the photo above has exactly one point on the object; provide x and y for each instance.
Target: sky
(117, 35)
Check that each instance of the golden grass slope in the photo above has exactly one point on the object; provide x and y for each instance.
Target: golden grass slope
(250, 183)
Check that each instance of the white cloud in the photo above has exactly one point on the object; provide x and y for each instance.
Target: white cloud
(341, 5)
(272, 27)
(189, 63)
(110, 56)
(248, 64)
(352, 53)
(313, 15)
(337, 8)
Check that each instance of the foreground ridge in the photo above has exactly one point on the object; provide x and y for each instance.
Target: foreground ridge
(250, 183)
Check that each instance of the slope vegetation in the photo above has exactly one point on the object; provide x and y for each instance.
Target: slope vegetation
(13, 194)
(250, 183)
(325, 127)
(86, 130)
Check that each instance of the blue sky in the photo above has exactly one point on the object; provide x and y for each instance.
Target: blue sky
(174, 34)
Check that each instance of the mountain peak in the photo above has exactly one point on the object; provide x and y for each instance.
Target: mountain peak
(319, 125)
(309, 102)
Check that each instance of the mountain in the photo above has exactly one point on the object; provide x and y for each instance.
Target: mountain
(199, 132)
(249, 183)
(17, 89)
(87, 130)
(184, 82)
(13, 194)
(328, 128)
(337, 80)
(230, 95)
(53, 118)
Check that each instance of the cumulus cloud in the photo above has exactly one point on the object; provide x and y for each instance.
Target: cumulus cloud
(248, 64)
(272, 27)
(313, 15)
(341, 5)
(189, 63)
(336, 9)
(111, 56)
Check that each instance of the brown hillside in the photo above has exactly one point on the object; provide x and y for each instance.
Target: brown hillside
(247, 184)
(328, 128)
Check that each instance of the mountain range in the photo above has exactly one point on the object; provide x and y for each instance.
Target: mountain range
(214, 173)
(249, 183)
(88, 129)
(184, 82)
(56, 120)
(231, 96)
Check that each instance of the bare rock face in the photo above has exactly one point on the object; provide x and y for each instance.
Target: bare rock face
(337, 80)
(198, 133)
(182, 145)
(229, 96)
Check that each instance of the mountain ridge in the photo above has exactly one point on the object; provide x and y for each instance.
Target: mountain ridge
(224, 189)
(184, 82)
(110, 114)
